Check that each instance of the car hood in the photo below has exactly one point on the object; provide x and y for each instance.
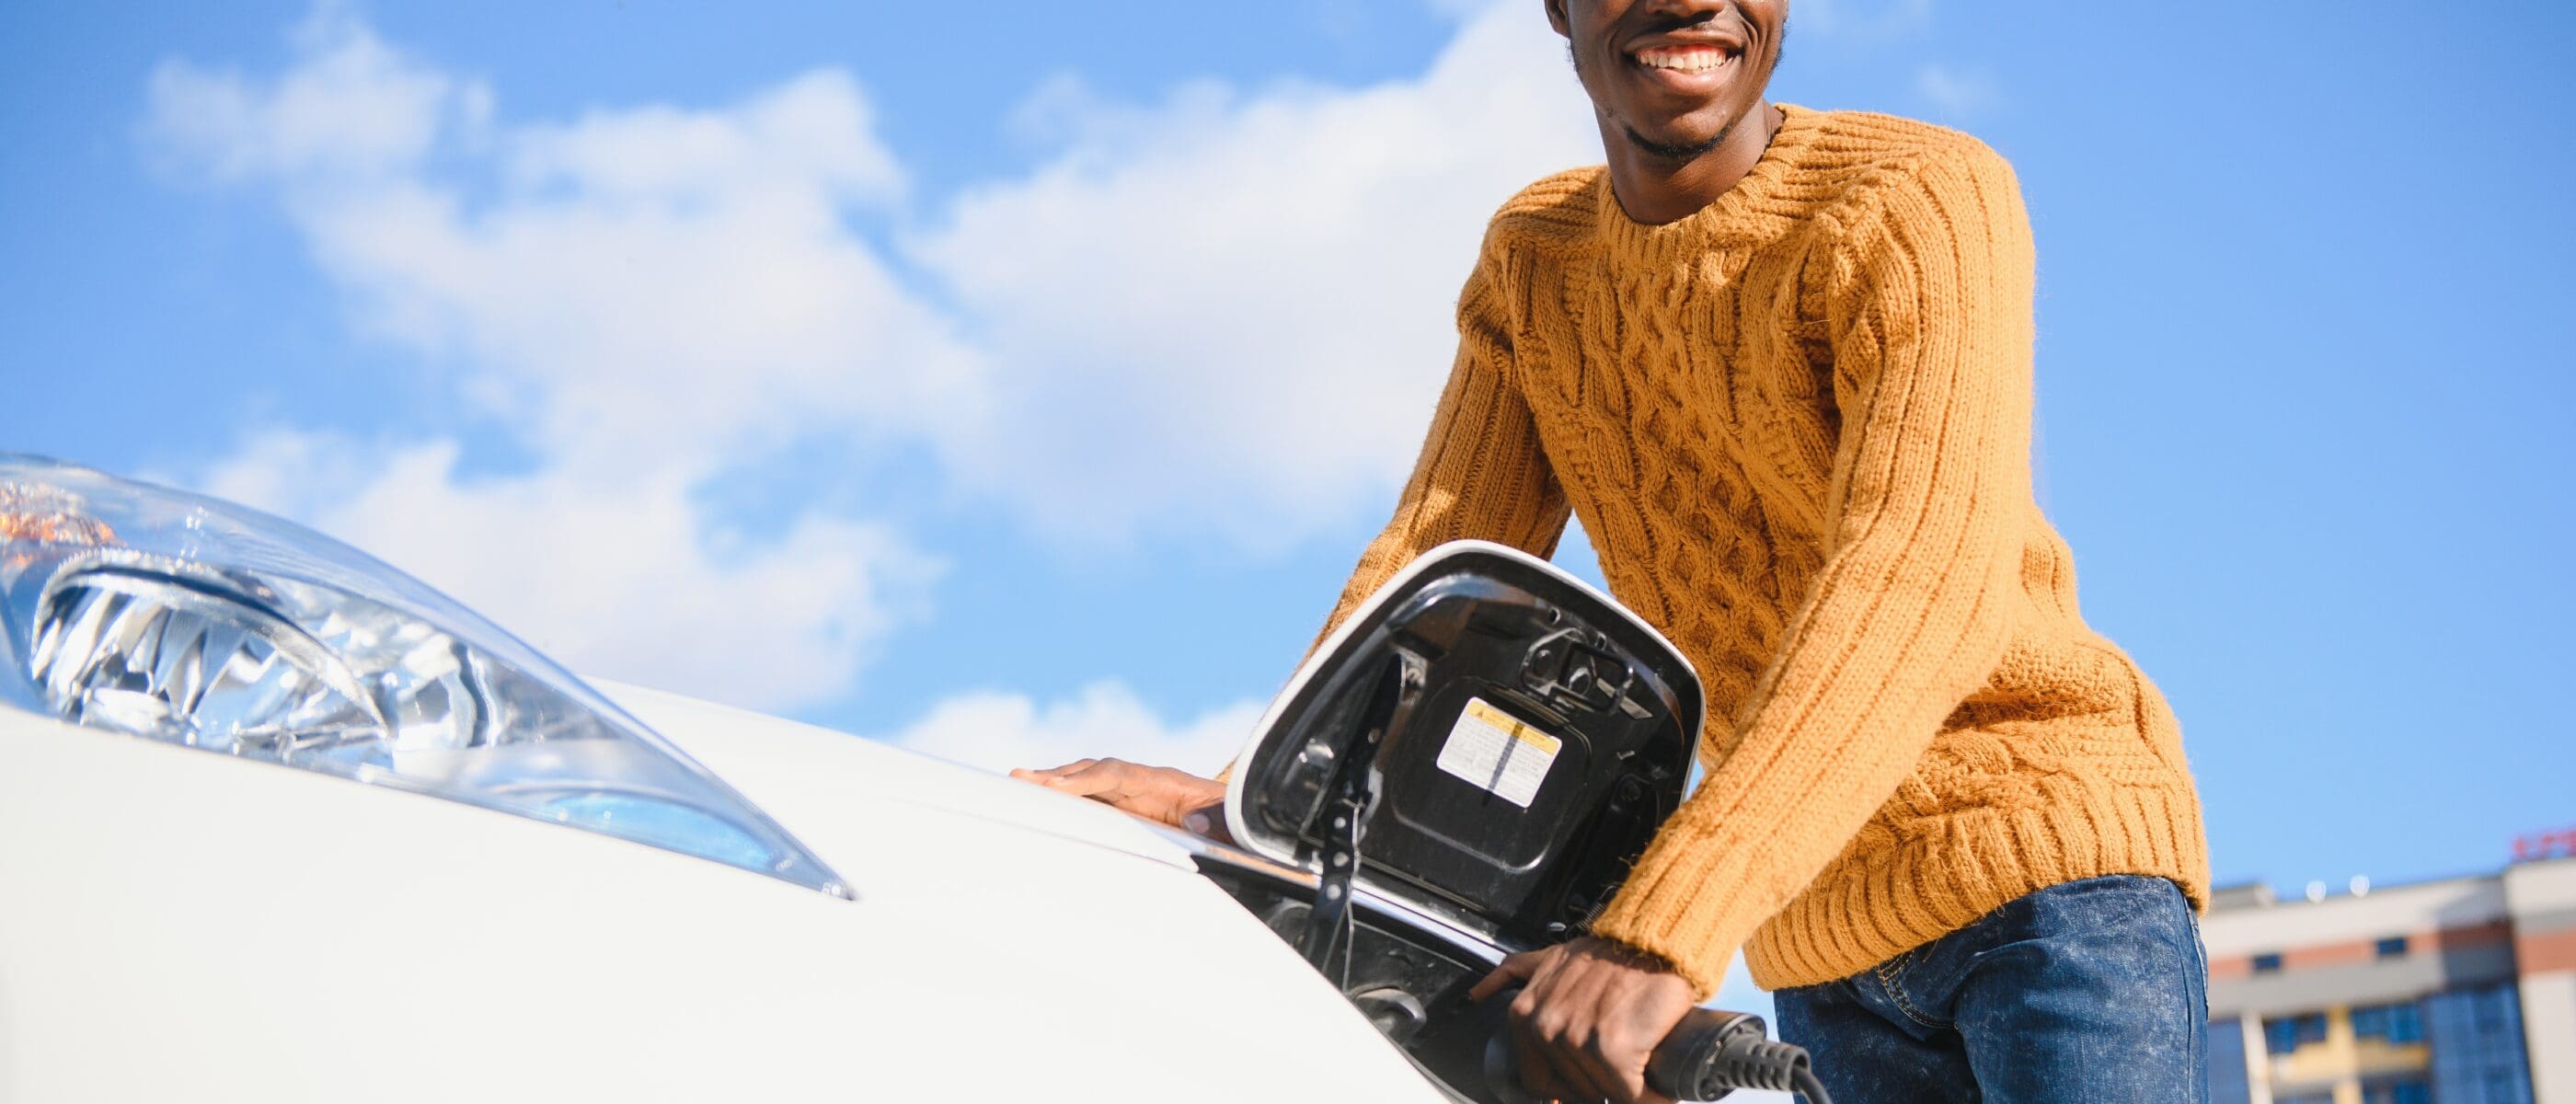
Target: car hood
(282, 935)
(839, 793)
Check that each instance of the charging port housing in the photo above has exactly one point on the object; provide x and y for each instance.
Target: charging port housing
(1467, 768)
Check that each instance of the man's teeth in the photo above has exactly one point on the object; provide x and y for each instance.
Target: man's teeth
(1688, 59)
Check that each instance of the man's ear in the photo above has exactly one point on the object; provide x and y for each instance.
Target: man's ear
(1556, 18)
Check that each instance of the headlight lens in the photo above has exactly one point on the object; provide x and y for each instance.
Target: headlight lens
(180, 618)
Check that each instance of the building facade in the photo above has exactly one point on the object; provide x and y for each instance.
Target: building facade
(2461, 991)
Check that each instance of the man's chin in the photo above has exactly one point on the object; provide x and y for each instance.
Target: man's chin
(1677, 150)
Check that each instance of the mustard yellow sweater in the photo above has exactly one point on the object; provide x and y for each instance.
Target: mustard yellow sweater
(1797, 427)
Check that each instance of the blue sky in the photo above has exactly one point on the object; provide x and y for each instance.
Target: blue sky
(1023, 384)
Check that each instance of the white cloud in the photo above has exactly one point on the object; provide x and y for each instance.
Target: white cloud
(1234, 310)
(1000, 730)
(1955, 93)
(813, 132)
(679, 277)
(640, 297)
(352, 107)
(1223, 314)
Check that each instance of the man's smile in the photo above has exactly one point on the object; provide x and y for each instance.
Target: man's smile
(1695, 63)
(1689, 59)
(1694, 70)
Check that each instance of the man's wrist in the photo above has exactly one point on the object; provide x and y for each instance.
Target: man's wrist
(1703, 984)
(1631, 954)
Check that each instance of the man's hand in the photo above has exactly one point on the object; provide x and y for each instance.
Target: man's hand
(1589, 1015)
(1178, 798)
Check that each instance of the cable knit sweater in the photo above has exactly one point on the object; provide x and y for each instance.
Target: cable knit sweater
(1796, 425)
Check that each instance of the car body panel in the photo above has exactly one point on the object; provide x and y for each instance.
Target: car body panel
(176, 924)
(832, 789)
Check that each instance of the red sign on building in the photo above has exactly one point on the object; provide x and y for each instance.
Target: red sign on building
(2544, 845)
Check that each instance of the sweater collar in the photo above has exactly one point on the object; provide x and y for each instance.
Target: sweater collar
(1755, 208)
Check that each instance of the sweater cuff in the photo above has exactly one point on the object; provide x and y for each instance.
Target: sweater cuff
(1692, 915)
(1705, 971)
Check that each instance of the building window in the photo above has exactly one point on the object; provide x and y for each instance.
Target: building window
(2267, 963)
(2393, 947)
(2394, 1023)
(2289, 1033)
(2404, 1090)
(2476, 1038)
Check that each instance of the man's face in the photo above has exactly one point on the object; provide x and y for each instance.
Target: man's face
(1672, 76)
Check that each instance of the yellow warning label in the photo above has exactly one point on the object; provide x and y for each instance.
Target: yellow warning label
(1498, 752)
(1519, 729)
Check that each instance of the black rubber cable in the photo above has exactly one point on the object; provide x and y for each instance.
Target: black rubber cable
(1804, 1083)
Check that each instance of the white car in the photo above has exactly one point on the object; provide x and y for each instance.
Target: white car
(369, 847)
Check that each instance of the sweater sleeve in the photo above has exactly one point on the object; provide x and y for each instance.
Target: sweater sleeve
(1482, 473)
(1930, 310)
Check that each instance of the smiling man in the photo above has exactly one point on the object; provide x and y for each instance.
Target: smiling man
(1779, 362)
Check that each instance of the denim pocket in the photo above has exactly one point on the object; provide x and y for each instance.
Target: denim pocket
(1925, 1005)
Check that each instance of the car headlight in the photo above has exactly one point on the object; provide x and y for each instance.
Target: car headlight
(180, 618)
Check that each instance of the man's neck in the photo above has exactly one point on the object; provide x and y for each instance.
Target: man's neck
(1655, 190)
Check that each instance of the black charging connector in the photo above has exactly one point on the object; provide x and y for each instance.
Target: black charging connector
(1709, 1054)
(1714, 1052)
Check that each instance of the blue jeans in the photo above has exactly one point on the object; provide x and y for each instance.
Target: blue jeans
(2087, 991)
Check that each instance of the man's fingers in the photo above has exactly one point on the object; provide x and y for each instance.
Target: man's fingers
(1041, 774)
(1541, 1024)
(1537, 1069)
(1621, 1046)
(1574, 1023)
(1209, 821)
(1084, 783)
(1156, 793)
(1515, 968)
(1627, 1051)
(1082, 776)
(1569, 1076)
(1567, 1036)
(1615, 1042)
(1616, 1070)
